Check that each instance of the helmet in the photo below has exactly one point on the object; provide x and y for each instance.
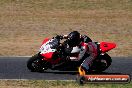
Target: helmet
(74, 38)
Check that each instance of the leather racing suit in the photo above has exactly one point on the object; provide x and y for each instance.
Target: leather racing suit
(86, 46)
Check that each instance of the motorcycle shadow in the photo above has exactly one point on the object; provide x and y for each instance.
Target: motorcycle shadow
(107, 73)
(71, 71)
(76, 73)
(60, 72)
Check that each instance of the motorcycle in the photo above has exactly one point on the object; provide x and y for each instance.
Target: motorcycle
(50, 57)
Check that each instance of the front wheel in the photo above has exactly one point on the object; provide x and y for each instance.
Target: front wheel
(35, 63)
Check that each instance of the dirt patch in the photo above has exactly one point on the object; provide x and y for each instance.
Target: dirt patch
(22, 29)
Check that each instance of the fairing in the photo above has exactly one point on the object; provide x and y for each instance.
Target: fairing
(106, 46)
(48, 49)
(45, 40)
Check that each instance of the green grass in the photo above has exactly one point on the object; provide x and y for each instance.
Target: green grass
(56, 84)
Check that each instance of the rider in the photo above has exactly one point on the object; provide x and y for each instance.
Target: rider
(74, 39)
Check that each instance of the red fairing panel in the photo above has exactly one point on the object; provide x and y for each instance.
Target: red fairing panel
(106, 46)
(45, 40)
(48, 56)
(85, 45)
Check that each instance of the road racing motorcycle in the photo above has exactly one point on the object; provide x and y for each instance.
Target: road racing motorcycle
(50, 57)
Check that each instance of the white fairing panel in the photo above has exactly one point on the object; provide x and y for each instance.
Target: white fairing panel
(75, 50)
(45, 48)
(81, 51)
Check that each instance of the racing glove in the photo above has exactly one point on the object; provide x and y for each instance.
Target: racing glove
(59, 37)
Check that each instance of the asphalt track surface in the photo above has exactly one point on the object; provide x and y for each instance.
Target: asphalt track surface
(15, 68)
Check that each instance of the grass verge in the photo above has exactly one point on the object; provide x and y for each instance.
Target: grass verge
(56, 84)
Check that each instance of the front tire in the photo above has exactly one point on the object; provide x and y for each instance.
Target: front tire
(34, 63)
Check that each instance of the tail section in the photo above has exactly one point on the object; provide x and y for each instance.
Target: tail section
(106, 46)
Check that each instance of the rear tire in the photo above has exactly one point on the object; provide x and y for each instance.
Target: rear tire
(104, 62)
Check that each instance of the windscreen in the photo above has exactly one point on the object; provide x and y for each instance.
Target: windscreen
(53, 43)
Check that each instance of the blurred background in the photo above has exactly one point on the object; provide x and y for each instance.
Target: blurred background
(25, 23)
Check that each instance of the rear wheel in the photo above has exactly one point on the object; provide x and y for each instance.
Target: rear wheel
(101, 64)
(35, 63)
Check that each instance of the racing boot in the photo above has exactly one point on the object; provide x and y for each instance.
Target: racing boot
(82, 71)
